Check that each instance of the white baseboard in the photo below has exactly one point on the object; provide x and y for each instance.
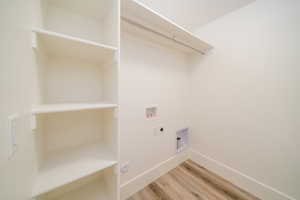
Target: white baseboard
(244, 181)
(145, 178)
(248, 183)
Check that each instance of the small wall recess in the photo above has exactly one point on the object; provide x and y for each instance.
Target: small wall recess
(182, 137)
(151, 112)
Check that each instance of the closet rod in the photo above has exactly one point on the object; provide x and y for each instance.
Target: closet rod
(160, 34)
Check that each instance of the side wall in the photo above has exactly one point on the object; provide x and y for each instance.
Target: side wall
(245, 106)
(17, 76)
(150, 75)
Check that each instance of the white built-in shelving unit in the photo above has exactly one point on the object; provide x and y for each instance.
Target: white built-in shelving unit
(74, 116)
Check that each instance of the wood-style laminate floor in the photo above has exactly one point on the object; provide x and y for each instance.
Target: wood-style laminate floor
(189, 181)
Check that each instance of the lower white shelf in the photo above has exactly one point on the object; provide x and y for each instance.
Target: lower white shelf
(52, 108)
(96, 190)
(63, 168)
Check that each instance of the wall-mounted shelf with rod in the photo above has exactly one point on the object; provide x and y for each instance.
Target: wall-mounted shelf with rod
(143, 17)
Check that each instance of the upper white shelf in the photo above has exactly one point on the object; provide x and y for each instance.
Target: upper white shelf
(52, 108)
(66, 167)
(142, 15)
(64, 45)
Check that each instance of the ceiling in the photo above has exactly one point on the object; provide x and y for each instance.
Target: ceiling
(192, 14)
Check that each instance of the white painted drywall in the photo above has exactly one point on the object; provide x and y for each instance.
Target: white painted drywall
(16, 88)
(245, 107)
(150, 75)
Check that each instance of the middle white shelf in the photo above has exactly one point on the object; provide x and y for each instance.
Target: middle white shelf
(74, 70)
(57, 44)
(65, 107)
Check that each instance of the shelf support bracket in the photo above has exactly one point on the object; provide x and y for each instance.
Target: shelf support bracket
(116, 56)
(116, 169)
(33, 122)
(116, 113)
(33, 40)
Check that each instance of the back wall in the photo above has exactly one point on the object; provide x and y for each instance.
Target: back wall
(150, 74)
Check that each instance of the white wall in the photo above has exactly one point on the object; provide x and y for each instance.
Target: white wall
(194, 13)
(245, 93)
(150, 75)
(16, 76)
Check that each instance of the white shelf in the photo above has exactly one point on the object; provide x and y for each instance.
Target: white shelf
(58, 44)
(52, 108)
(66, 167)
(96, 190)
(140, 14)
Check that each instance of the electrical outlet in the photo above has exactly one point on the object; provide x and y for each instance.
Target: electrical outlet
(125, 168)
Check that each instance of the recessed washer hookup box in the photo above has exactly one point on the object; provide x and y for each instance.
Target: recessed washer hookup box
(182, 139)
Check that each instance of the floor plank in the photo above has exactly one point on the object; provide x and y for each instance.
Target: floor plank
(190, 181)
